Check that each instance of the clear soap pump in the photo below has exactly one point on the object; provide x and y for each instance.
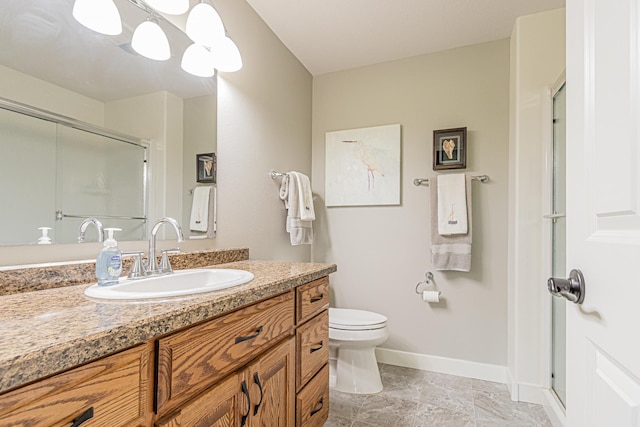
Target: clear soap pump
(109, 261)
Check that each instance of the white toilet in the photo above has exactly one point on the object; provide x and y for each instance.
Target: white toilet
(353, 337)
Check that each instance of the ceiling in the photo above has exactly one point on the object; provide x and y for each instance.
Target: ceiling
(334, 35)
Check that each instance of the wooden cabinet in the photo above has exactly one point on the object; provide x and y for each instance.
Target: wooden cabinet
(259, 395)
(312, 347)
(312, 402)
(262, 365)
(311, 299)
(108, 392)
(191, 360)
(271, 384)
(312, 353)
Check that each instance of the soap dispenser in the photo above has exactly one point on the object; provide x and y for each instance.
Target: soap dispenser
(44, 239)
(109, 261)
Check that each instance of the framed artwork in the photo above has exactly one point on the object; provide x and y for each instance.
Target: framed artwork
(450, 149)
(363, 166)
(206, 168)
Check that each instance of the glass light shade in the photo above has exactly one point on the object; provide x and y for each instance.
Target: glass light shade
(149, 40)
(98, 15)
(171, 7)
(199, 61)
(227, 56)
(204, 25)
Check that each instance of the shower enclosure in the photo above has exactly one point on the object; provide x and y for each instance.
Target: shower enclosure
(558, 244)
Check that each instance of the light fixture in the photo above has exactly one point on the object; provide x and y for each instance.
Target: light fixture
(149, 40)
(204, 25)
(227, 56)
(199, 61)
(212, 49)
(98, 15)
(171, 7)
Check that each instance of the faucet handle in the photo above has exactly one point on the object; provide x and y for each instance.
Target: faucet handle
(137, 271)
(165, 265)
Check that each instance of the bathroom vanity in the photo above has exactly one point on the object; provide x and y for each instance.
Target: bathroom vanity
(255, 354)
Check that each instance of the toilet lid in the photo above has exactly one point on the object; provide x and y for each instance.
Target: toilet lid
(345, 318)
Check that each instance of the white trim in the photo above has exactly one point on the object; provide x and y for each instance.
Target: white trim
(553, 408)
(530, 393)
(444, 365)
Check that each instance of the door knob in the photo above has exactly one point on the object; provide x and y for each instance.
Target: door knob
(571, 288)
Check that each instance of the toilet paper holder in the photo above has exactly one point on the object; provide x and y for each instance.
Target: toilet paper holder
(428, 278)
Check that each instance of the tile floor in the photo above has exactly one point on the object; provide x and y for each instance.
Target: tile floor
(414, 398)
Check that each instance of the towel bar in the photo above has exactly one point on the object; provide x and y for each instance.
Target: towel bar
(273, 174)
(425, 181)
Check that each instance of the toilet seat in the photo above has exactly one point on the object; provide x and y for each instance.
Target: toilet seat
(355, 320)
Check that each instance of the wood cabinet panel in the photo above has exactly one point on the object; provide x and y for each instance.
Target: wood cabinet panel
(113, 390)
(220, 406)
(191, 360)
(272, 387)
(312, 403)
(311, 299)
(312, 348)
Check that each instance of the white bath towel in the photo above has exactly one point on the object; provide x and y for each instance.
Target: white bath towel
(452, 204)
(295, 191)
(450, 252)
(200, 209)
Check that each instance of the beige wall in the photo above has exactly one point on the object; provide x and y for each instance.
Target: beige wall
(264, 123)
(537, 61)
(382, 252)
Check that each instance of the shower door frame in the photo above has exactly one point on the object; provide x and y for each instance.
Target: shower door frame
(553, 405)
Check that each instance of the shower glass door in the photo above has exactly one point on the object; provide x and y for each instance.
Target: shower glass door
(558, 241)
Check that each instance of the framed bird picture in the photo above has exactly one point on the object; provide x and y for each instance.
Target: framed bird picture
(450, 149)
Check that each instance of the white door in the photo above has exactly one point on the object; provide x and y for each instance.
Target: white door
(603, 211)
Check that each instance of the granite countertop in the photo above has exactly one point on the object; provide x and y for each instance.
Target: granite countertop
(51, 330)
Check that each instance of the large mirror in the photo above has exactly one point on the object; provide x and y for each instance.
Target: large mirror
(109, 98)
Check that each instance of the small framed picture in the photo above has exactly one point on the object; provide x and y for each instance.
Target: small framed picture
(206, 168)
(450, 149)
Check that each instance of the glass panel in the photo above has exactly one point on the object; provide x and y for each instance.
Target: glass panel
(100, 177)
(558, 230)
(27, 165)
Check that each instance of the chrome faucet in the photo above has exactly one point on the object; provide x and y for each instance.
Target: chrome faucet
(85, 224)
(153, 268)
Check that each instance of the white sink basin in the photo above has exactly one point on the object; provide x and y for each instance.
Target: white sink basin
(181, 282)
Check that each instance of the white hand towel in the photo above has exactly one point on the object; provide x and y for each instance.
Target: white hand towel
(305, 197)
(300, 231)
(200, 209)
(450, 252)
(452, 205)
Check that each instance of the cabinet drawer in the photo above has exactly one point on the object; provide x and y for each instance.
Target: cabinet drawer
(109, 392)
(312, 347)
(312, 403)
(311, 298)
(193, 359)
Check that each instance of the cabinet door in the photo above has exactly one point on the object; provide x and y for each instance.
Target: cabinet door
(272, 387)
(223, 405)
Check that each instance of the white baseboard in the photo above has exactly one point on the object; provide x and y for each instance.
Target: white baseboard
(530, 393)
(444, 365)
(553, 408)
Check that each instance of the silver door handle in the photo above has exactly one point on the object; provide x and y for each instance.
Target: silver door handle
(571, 288)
